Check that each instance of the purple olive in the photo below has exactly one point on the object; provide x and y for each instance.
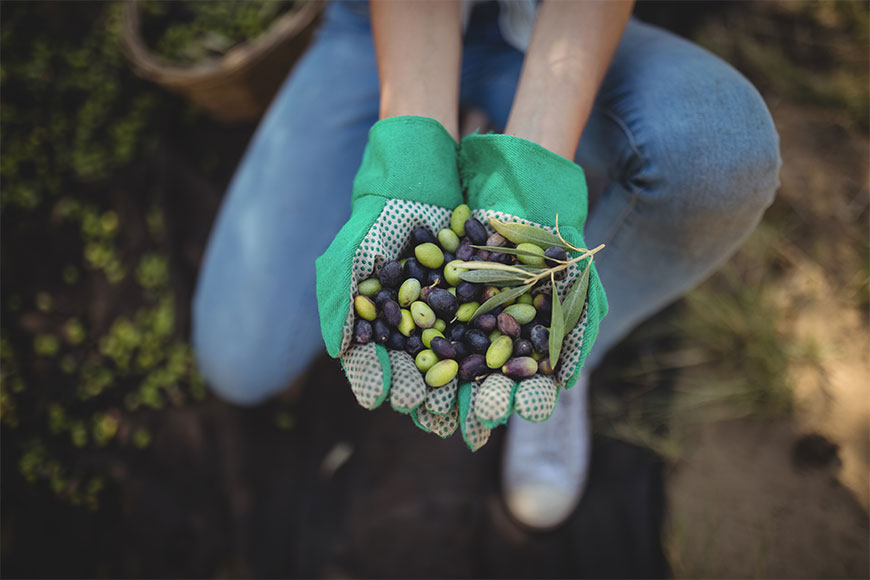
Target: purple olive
(362, 331)
(508, 325)
(472, 367)
(521, 367)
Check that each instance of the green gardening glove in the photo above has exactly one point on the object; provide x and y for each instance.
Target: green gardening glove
(515, 180)
(408, 178)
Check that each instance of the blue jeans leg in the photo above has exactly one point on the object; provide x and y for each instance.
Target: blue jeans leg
(691, 157)
(255, 321)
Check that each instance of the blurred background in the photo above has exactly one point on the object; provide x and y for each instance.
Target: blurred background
(732, 431)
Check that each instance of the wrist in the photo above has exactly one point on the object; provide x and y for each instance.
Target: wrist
(445, 114)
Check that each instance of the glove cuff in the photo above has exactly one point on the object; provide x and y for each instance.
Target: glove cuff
(500, 170)
(410, 158)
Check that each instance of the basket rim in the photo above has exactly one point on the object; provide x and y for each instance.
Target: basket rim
(237, 58)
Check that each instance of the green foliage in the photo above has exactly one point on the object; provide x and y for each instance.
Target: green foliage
(189, 32)
(72, 110)
(73, 117)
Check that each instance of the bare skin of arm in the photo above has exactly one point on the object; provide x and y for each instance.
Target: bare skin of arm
(419, 51)
(572, 46)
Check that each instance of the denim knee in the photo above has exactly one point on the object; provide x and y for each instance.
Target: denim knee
(721, 160)
(234, 367)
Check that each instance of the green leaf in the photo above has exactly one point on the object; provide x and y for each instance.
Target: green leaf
(511, 251)
(481, 265)
(576, 299)
(493, 277)
(522, 233)
(557, 329)
(501, 298)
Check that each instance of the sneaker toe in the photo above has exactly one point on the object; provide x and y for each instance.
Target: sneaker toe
(540, 505)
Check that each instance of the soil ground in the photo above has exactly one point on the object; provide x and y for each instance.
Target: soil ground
(310, 485)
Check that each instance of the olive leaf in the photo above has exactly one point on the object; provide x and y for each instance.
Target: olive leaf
(493, 277)
(501, 298)
(557, 328)
(576, 299)
(481, 265)
(522, 233)
(512, 251)
(533, 269)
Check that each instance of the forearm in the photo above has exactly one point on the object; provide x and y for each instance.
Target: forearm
(419, 50)
(571, 47)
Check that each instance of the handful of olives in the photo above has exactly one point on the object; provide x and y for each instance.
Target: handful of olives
(464, 301)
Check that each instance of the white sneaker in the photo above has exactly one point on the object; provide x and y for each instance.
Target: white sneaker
(545, 464)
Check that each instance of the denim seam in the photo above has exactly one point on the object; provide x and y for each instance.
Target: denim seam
(633, 189)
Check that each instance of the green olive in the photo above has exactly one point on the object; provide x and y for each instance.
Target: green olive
(429, 255)
(531, 260)
(409, 292)
(465, 311)
(425, 359)
(422, 314)
(441, 373)
(429, 334)
(457, 220)
(365, 307)
(523, 313)
(369, 287)
(499, 352)
(406, 327)
(448, 240)
(452, 271)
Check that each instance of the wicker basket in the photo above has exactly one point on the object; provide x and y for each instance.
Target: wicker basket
(240, 85)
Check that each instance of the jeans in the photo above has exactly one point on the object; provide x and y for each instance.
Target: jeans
(685, 144)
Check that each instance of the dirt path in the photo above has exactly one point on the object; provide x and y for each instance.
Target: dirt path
(789, 498)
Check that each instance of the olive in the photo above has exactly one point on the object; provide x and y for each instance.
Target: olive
(537, 260)
(508, 325)
(543, 303)
(443, 303)
(460, 349)
(441, 373)
(409, 292)
(448, 240)
(521, 367)
(362, 331)
(392, 313)
(486, 322)
(396, 341)
(414, 345)
(456, 331)
(458, 218)
(477, 340)
(475, 231)
(381, 331)
(430, 255)
(385, 294)
(464, 251)
(391, 274)
(555, 253)
(472, 367)
(496, 240)
(435, 277)
(468, 291)
(442, 347)
(413, 269)
(365, 308)
(540, 337)
(499, 352)
(425, 359)
(369, 287)
(422, 235)
(523, 347)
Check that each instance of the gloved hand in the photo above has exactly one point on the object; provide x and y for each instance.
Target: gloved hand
(408, 178)
(515, 180)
